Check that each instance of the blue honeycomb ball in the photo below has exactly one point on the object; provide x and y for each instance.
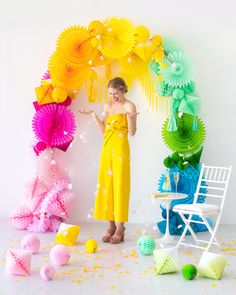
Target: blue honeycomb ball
(146, 245)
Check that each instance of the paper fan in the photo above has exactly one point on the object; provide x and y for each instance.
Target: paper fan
(66, 76)
(189, 105)
(170, 45)
(118, 38)
(184, 139)
(179, 70)
(74, 44)
(54, 125)
(141, 34)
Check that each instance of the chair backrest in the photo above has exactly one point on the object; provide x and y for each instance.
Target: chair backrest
(213, 182)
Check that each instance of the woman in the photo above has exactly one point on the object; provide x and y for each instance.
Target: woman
(113, 187)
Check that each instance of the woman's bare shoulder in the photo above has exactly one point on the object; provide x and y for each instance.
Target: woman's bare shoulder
(130, 105)
(107, 106)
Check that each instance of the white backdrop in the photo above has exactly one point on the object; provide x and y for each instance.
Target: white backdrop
(28, 33)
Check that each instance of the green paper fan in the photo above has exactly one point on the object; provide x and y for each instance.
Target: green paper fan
(184, 139)
(179, 70)
(189, 105)
(170, 45)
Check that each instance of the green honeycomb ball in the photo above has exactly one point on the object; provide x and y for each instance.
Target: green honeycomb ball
(169, 162)
(189, 271)
(146, 245)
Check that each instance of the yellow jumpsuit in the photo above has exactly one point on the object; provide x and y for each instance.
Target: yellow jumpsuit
(113, 186)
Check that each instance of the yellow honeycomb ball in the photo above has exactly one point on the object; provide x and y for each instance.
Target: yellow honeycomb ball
(141, 34)
(95, 28)
(91, 246)
(156, 40)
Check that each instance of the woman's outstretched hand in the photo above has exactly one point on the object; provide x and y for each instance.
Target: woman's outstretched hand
(86, 112)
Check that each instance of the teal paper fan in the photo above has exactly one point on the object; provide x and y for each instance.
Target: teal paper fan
(179, 70)
(184, 139)
(189, 105)
(170, 45)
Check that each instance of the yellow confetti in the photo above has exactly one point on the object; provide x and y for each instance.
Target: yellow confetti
(118, 265)
(214, 285)
(79, 282)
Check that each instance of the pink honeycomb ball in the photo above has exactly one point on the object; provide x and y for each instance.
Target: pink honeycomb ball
(60, 254)
(30, 242)
(47, 272)
(21, 217)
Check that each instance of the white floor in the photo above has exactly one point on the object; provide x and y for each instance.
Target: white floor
(114, 269)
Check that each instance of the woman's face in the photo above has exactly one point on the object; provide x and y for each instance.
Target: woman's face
(116, 95)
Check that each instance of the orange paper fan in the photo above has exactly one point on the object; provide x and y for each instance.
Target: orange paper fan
(74, 44)
(66, 76)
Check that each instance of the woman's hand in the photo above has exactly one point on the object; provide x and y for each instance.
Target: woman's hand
(86, 112)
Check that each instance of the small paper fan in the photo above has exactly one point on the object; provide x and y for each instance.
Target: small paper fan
(74, 43)
(118, 38)
(184, 139)
(54, 125)
(179, 70)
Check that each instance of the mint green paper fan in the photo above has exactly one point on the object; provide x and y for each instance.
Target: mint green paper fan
(170, 45)
(189, 105)
(179, 70)
(155, 66)
(184, 139)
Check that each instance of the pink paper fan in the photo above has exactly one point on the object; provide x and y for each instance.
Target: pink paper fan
(65, 103)
(21, 217)
(18, 262)
(54, 125)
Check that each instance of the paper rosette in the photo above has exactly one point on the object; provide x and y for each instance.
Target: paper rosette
(67, 76)
(74, 44)
(179, 70)
(166, 260)
(54, 125)
(212, 265)
(118, 38)
(184, 139)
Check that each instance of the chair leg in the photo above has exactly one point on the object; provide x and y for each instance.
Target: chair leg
(212, 232)
(184, 231)
(187, 222)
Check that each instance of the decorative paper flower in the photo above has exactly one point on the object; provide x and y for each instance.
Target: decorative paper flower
(54, 125)
(74, 44)
(144, 52)
(51, 166)
(170, 45)
(118, 38)
(44, 94)
(184, 139)
(189, 105)
(96, 28)
(18, 262)
(66, 76)
(21, 217)
(179, 71)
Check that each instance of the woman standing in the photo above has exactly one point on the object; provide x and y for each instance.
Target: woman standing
(113, 186)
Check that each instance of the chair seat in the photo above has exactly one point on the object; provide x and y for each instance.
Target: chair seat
(198, 208)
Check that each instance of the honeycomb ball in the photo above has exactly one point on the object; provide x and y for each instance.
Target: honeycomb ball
(21, 217)
(95, 28)
(141, 34)
(189, 271)
(146, 245)
(91, 246)
(59, 95)
(47, 272)
(169, 162)
(30, 242)
(60, 254)
(156, 40)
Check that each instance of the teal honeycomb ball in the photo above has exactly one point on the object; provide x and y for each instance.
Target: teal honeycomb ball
(146, 245)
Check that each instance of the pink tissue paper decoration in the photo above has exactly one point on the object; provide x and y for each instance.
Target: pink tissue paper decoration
(51, 166)
(18, 262)
(21, 217)
(39, 147)
(46, 76)
(47, 272)
(43, 224)
(60, 254)
(30, 242)
(54, 124)
(65, 103)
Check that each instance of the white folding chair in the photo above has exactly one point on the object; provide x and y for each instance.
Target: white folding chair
(213, 183)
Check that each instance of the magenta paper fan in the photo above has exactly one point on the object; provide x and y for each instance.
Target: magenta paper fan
(54, 125)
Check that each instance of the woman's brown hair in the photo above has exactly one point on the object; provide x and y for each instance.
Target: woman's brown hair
(118, 84)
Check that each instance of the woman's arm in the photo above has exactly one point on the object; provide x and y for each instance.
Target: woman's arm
(99, 123)
(132, 119)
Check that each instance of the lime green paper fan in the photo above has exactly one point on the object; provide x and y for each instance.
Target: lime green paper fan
(184, 139)
(179, 70)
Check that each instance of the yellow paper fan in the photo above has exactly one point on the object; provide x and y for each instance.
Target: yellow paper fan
(95, 28)
(66, 76)
(141, 34)
(44, 93)
(74, 44)
(59, 95)
(118, 38)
